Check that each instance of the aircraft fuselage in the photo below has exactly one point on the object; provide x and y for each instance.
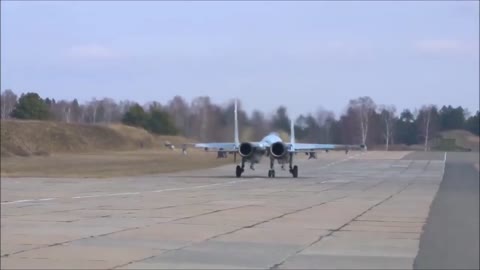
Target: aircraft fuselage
(254, 153)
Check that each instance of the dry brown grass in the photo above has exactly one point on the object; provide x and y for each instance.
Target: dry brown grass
(27, 138)
(109, 164)
(463, 138)
(55, 149)
(396, 147)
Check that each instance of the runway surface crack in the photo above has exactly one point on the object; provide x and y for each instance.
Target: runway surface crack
(66, 242)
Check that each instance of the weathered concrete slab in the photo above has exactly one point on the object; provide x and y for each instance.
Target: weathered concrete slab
(295, 236)
(75, 257)
(374, 247)
(217, 254)
(345, 211)
(346, 262)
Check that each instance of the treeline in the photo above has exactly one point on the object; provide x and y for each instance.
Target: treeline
(363, 121)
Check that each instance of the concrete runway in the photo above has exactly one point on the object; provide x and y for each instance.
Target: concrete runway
(361, 210)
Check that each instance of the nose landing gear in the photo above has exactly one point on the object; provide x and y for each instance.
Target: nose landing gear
(271, 172)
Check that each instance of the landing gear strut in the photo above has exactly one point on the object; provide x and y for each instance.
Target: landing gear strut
(239, 170)
(271, 172)
(294, 169)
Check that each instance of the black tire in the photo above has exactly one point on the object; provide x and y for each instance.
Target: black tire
(238, 171)
(295, 171)
(269, 174)
(273, 174)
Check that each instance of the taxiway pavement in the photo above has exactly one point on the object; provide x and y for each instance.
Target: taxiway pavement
(451, 236)
(361, 210)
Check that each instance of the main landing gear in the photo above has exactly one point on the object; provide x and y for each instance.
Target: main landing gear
(240, 170)
(293, 169)
(271, 173)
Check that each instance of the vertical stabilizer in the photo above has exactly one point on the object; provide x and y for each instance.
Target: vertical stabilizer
(292, 134)
(237, 140)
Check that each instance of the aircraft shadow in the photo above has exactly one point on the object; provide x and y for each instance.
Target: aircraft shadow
(239, 178)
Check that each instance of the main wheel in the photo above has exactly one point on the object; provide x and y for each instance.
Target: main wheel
(295, 171)
(238, 171)
(273, 174)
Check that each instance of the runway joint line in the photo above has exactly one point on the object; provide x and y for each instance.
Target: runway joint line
(125, 193)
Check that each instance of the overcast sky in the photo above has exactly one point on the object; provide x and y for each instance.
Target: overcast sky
(299, 54)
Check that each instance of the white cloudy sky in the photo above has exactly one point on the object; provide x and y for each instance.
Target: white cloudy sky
(302, 55)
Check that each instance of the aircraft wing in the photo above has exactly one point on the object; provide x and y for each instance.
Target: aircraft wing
(221, 146)
(216, 146)
(311, 147)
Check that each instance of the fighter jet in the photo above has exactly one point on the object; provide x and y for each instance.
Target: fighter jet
(271, 146)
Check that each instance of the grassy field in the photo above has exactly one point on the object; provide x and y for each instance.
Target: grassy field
(460, 139)
(54, 149)
(40, 138)
(451, 140)
(109, 164)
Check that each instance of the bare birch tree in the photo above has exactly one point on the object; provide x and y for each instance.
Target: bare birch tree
(387, 114)
(91, 113)
(425, 119)
(329, 122)
(349, 127)
(363, 107)
(61, 111)
(124, 106)
(109, 107)
(324, 120)
(199, 117)
(66, 110)
(179, 109)
(8, 101)
(76, 111)
(427, 128)
(94, 105)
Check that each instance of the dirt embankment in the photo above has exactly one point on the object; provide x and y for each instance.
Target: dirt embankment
(463, 139)
(54, 149)
(451, 140)
(40, 138)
